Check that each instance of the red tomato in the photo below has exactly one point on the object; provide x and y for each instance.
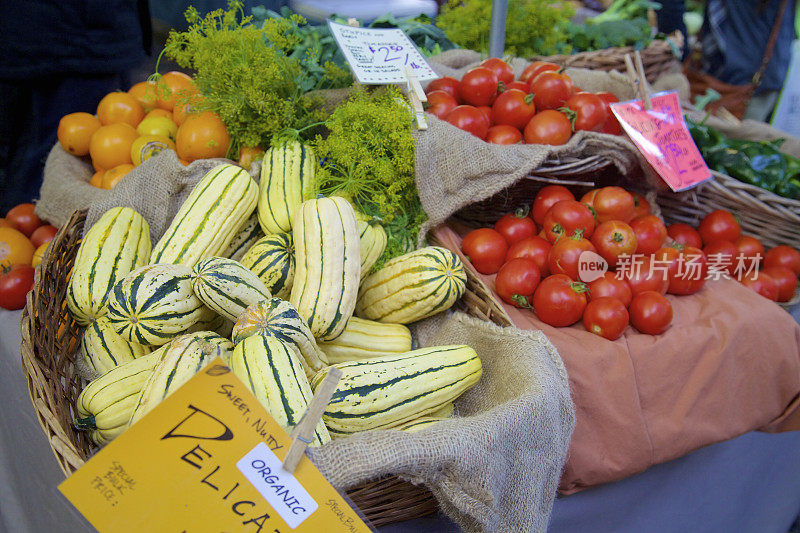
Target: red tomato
(487, 114)
(588, 198)
(589, 110)
(548, 127)
(546, 198)
(611, 124)
(651, 313)
(606, 317)
(750, 248)
(513, 108)
(559, 301)
(565, 254)
(478, 86)
(486, 250)
(23, 217)
(684, 234)
(469, 119)
(516, 226)
(446, 84)
(644, 275)
(565, 218)
(641, 206)
(761, 283)
(521, 85)
(536, 68)
(503, 135)
(610, 286)
(689, 273)
(785, 280)
(6, 224)
(535, 248)
(517, 280)
(784, 256)
(613, 203)
(650, 234)
(43, 234)
(719, 225)
(14, 286)
(440, 103)
(613, 239)
(551, 90)
(500, 69)
(721, 256)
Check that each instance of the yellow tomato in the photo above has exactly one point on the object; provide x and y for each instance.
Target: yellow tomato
(97, 179)
(248, 154)
(15, 248)
(172, 85)
(113, 175)
(158, 112)
(161, 126)
(202, 136)
(111, 145)
(39, 254)
(148, 146)
(75, 132)
(120, 107)
(146, 93)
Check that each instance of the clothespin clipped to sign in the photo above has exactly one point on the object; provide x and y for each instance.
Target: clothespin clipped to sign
(417, 96)
(303, 432)
(638, 79)
(352, 21)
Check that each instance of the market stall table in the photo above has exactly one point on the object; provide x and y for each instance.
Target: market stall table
(746, 484)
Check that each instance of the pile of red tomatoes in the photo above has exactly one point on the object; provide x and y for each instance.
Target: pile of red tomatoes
(542, 107)
(608, 261)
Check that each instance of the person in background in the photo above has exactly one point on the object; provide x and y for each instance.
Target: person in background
(670, 19)
(735, 35)
(59, 57)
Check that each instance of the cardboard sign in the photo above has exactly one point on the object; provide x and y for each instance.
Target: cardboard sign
(208, 458)
(661, 135)
(378, 56)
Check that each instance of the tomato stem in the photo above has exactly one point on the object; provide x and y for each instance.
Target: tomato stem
(522, 212)
(522, 301)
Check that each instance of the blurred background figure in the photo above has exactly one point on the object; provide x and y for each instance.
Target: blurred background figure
(59, 57)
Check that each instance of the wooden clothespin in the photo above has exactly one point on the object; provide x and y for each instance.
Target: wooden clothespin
(417, 96)
(352, 21)
(303, 432)
(638, 79)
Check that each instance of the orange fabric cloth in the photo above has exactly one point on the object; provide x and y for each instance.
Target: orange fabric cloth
(728, 364)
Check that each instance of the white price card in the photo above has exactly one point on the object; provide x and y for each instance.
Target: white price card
(379, 56)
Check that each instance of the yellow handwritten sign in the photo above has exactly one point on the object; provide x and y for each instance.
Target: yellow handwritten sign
(208, 458)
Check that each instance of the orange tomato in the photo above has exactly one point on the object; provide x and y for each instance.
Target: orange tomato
(202, 136)
(184, 162)
(39, 254)
(7, 224)
(158, 112)
(146, 93)
(15, 248)
(248, 154)
(171, 85)
(113, 175)
(75, 131)
(97, 179)
(184, 108)
(111, 145)
(120, 107)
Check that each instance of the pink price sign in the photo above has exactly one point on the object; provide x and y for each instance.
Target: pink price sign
(661, 135)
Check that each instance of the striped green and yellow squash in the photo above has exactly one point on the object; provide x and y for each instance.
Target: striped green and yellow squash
(105, 405)
(386, 391)
(287, 177)
(226, 286)
(418, 424)
(272, 371)
(102, 349)
(184, 357)
(218, 324)
(373, 241)
(413, 286)
(277, 318)
(246, 237)
(154, 303)
(116, 244)
(445, 412)
(271, 258)
(328, 259)
(209, 218)
(365, 339)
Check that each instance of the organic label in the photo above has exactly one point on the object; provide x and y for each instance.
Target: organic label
(661, 135)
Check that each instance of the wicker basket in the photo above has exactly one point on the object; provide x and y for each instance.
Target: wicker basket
(50, 338)
(658, 58)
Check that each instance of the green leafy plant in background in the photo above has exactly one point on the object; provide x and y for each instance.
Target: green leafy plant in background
(533, 27)
(626, 10)
(601, 35)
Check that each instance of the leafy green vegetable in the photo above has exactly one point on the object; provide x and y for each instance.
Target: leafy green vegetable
(533, 27)
(368, 157)
(626, 10)
(608, 34)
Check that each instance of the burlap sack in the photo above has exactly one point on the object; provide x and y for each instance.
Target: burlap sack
(495, 466)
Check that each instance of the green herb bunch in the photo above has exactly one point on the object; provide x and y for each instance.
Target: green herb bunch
(244, 73)
(533, 27)
(368, 157)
